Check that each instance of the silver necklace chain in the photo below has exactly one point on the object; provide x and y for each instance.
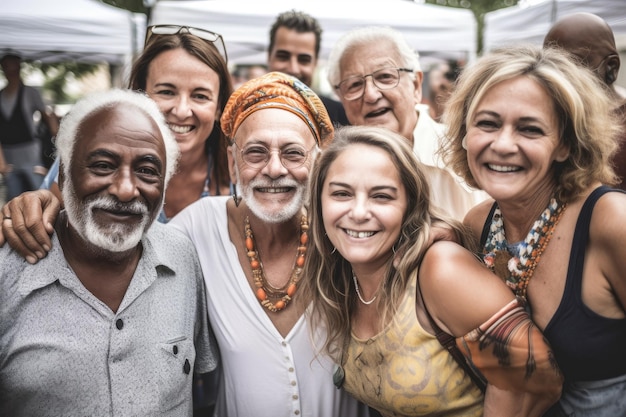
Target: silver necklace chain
(358, 292)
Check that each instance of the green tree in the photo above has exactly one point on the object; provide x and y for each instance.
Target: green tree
(56, 76)
(479, 8)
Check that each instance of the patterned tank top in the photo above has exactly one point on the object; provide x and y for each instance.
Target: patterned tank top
(404, 371)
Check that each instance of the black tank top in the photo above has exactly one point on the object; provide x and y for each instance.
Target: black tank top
(587, 346)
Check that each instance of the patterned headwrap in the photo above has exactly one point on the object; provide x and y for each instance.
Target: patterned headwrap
(279, 91)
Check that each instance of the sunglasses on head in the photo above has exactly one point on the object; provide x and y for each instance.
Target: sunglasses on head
(207, 35)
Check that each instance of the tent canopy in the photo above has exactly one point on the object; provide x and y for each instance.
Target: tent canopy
(71, 30)
(245, 24)
(530, 24)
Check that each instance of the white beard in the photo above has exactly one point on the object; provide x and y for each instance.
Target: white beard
(114, 237)
(286, 212)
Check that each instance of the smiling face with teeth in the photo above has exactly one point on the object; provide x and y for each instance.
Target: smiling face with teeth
(273, 193)
(187, 92)
(116, 181)
(513, 141)
(393, 108)
(364, 202)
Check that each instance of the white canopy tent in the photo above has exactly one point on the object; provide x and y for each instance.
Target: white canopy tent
(245, 24)
(71, 30)
(530, 24)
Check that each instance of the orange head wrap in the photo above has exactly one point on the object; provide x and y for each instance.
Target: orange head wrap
(279, 91)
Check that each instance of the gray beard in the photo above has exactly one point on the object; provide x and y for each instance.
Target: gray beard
(114, 237)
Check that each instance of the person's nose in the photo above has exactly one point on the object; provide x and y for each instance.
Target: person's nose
(371, 93)
(504, 141)
(293, 68)
(275, 167)
(124, 186)
(182, 108)
(360, 210)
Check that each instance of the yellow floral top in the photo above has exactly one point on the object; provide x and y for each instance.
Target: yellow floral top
(404, 371)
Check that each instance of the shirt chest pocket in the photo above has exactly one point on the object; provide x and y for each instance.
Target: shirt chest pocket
(177, 358)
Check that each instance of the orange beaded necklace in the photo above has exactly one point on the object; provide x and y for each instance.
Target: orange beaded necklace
(265, 293)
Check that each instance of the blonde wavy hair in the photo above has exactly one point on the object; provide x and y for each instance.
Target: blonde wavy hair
(588, 126)
(326, 287)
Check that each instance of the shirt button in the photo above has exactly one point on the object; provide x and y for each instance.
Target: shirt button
(297, 412)
(295, 397)
(290, 369)
(119, 324)
(186, 367)
(293, 383)
(175, 349)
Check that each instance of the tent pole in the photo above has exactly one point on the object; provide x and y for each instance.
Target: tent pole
(553, 12)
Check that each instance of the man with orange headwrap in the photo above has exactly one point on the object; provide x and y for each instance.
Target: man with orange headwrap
(252, 248)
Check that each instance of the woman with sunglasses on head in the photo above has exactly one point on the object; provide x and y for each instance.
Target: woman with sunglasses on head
(184, 70)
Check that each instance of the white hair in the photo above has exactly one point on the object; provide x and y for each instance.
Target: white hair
(370, 35)
(70, 125)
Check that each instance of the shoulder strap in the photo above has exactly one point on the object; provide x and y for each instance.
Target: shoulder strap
(449, 343)
(485, 233)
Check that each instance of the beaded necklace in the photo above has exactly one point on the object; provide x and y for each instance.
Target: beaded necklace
(265, 293)
(358, 292)
(517, 268)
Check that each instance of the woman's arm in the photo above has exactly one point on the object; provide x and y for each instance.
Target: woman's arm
(27, 223)
(493, 331)
(607, 245)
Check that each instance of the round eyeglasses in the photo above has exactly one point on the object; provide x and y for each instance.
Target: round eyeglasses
(258, 156)
(215, 38)
(353, 87)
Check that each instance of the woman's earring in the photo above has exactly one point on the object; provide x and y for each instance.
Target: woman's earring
(464, 143)
(236, 197)
(334, 250)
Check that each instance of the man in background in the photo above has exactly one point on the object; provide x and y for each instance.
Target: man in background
(378, 77)
(23, 168)
(589, 38)
(441, 79)
(295, 39)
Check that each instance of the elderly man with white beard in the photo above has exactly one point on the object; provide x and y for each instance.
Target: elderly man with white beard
(114, 320)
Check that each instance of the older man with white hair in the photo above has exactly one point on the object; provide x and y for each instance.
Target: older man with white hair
(114, 320)
(378, 78)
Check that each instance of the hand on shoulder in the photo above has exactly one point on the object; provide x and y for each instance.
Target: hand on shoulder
(28, 221)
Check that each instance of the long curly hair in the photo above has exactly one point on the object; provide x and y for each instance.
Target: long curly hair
(327, 288)
(588, 126)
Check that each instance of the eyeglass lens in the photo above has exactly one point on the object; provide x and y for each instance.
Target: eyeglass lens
(353, 87)
(257, 156)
